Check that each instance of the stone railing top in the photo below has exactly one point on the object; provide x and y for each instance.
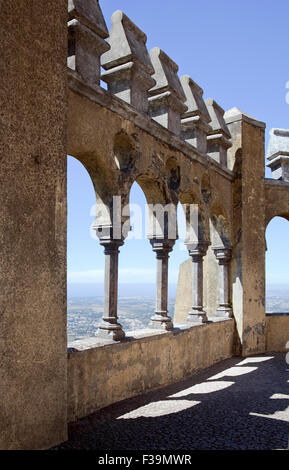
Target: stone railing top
(88, 12)
(127, 44)
(165, 74)
(278, 143)
(217, 123)
(194, 99)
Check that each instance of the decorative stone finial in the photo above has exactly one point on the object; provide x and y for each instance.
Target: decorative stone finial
(166, 102)
(127, 63)
(86, 33)
(194, 123)
(218, 138)
(278, 154)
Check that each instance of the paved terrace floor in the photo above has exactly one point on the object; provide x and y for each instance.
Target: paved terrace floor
(236, 404)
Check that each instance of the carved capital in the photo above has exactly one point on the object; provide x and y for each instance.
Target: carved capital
(162, 247)
(198, 250)
(223, 255)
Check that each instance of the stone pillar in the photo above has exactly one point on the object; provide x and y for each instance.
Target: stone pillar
(160, 319)
(223, 255)
(197, 253)
(246, 159)
(110, 328)
(33, 129)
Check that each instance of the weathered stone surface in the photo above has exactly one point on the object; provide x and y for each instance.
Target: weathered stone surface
(223, 255)
(88, 12)
(276, 199)
(246, 156)
(166, 102)
(219, 137)
(127, 63)
(33, 127)
(197, 253)
(118, 144)
(278, 154)
(195, 120)
(162, 248)
(100, 376)
(86, 33)
(277, 328)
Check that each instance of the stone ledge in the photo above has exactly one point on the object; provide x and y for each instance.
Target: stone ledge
(278, 184)
(136, 335)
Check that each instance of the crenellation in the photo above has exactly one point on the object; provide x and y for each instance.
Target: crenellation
(278, 154)
(88, 13)
(86, 39)
(167, 98)
(127, 64)
(194, 123)
(218, 139)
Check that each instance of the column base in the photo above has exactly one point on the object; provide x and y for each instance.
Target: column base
(225, 312)
(161, 322)
(111, 332)
(197, 316)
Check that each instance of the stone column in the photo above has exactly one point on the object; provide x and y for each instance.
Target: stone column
(162, 248)
(223, 255)
(197, 253)
(33, 341)
(246, 159)
(110, 328)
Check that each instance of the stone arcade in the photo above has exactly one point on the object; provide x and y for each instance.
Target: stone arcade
(152, 127)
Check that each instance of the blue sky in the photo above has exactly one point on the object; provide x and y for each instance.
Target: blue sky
(237, 51)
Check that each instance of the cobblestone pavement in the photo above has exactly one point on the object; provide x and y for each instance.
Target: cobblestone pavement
(236, 404)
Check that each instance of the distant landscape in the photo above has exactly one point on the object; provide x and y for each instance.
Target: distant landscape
(134, 311)
(84, 314)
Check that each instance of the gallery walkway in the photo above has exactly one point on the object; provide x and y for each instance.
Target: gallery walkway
(237, 404)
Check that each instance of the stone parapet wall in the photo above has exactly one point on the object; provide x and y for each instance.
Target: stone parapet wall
(277, 332)
(102, 375)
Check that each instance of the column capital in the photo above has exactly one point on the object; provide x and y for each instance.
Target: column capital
(110, 233)
(162, 245)
(223, 255)
(198, 249)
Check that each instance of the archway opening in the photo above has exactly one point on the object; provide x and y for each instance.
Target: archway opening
(85, 260)
(136, 288)
(180, 252)
(277, 263)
